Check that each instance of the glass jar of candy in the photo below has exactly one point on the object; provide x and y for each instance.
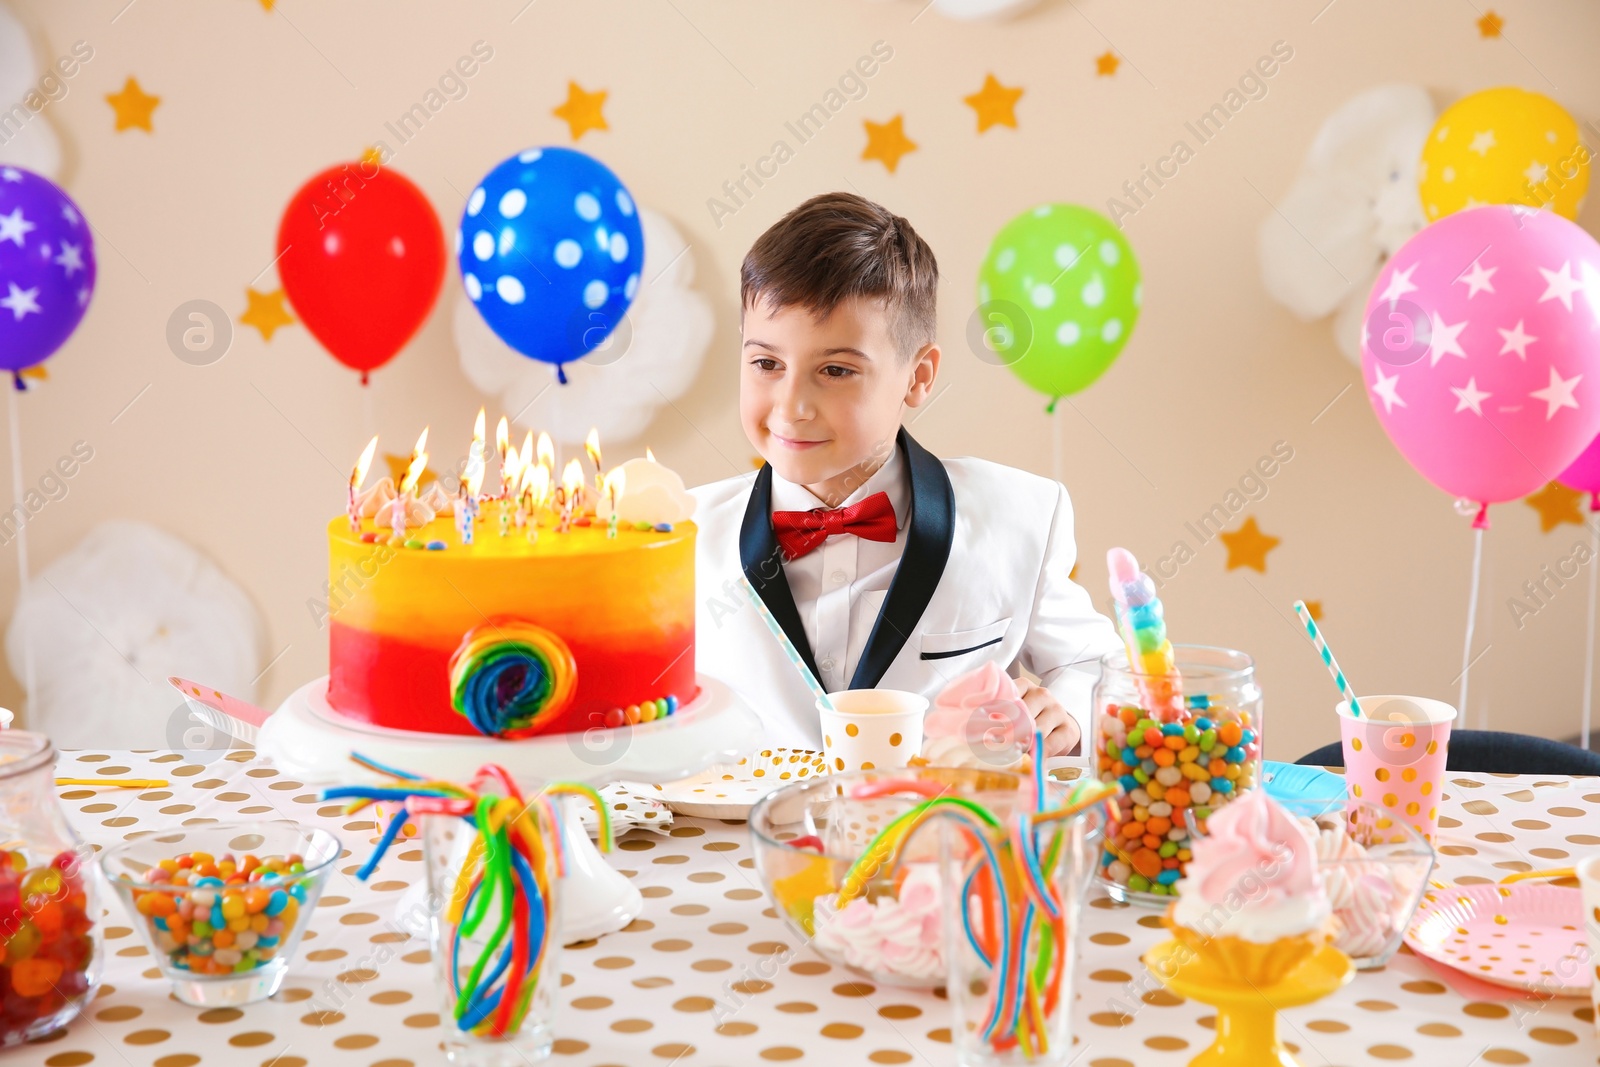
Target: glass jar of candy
(1178, 757)
(50, 946)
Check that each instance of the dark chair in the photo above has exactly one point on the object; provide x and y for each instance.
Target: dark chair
(1492, 752)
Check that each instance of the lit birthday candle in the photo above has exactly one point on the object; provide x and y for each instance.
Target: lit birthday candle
(615, 485)
(357, 476)
(567, 494)
(471, 483)
(408, 485)
(502, 443)
(591, 445)
(524, 464)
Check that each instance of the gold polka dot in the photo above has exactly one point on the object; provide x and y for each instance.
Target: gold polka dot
(781, 1053)
(1389, 1052)
(1409, 774)
(1109, 938)
(292, 995)
(727, 928)
(672, 944)
(568, 1046)
(899, 1011)
(648, 983)
(710, 965)
(220, 1015)
(757, 985)
(1355, 743)
(1111, 976)
(889, 1055)
(1549, 1035)
(1166, 1044)
(1327, 1026)
(120, 1013)
(322, 1018)
(355, 1041)
(941, 1035)
(796, 1007)
(1383, 774)
(359, 975)
(842, 1031)
(426, 1020)
(322, 955)
(632, 1026)
(851, 729)
(1433, 746)
(1427, 787)
(811, 967)
(390, 996)
(694, 1004)
(894, 740)
(591, 1003)
(358, 918)
(1111, 1018)
(1390, 800)
(613, 963)
(250, 1039)
(147, 1037)
(178, 1059)
(1569, 813)
(1160, 998)
(1504, 1055)
(1482, 1009)
(1375, 1005)
(1355, 787)
(676, 1051)
(1425, 987)
(1438, 1030)
(854, 989)
(69, 1059)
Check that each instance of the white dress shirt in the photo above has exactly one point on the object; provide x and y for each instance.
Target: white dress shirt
(839, 587)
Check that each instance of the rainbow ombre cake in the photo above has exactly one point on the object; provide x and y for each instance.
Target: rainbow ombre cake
(507, 637)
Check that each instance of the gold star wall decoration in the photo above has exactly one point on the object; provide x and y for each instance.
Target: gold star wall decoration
(995, 104)
(1248, 546)
(265, 312)
(581, 111)
(887, 142)
(1556, 504)
(133, 107)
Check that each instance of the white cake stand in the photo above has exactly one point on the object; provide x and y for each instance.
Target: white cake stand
(308, 739)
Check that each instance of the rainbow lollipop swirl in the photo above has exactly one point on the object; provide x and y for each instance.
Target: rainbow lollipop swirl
(1144, 632)
(510, 678)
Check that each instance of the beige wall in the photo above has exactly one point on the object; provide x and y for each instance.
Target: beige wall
(246, 457)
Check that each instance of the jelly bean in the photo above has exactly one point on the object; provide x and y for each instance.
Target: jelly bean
(277, 902)
(1222, 785)
(1167, 877)
(1172, 729)
(1235, 754)
(1169, 848)
(1229, 733)
(1138, 883)
(35, 977)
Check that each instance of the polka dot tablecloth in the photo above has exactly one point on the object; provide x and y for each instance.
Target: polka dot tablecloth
(709, 975)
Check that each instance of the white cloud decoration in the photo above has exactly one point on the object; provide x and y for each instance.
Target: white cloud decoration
(34, 144)
(112, 619)
(1353, 204)
(651, 359)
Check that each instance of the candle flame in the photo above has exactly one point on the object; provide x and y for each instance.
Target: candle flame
(649, 455)
(591, 445)
(547, 451)
(502, 437)
(527, 452)
(419, 463)
(477, 431)
(572, 477)
(473, 479)
(539, 479)
(359, 475)
(615, 485)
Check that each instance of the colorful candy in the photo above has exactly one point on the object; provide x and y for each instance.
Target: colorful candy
(516, 843)
(1141, 620)
(46, 946)
(644, 711)
(509, 677)
(222, 915)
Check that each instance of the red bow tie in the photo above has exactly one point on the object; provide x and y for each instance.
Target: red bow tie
(801, 531)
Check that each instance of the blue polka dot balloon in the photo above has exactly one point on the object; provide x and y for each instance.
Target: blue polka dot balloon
(550, 251)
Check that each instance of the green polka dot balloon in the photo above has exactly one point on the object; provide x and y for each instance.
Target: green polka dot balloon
(1058, 296)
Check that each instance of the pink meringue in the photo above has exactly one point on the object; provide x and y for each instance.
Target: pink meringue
(897, 937)
(978, 720)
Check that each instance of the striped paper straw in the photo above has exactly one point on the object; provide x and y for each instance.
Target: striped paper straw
(788, 646)
(1327, 656)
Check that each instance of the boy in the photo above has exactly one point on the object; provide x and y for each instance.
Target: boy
(885, 565)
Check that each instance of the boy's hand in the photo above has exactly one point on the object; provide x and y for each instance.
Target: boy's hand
(1061, 733)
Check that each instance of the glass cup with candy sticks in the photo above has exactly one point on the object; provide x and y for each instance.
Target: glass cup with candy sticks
(1178, 727)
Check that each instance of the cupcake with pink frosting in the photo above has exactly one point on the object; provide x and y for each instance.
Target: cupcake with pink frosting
(1253, 904)
(978, 721)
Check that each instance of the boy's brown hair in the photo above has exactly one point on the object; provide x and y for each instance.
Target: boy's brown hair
(839, 246)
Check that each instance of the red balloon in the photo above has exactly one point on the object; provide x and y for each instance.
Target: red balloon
(362, 260)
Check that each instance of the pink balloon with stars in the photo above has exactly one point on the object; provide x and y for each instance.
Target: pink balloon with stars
(1481, 352)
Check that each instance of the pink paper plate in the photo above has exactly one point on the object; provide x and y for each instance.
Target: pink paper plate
(1521, 936)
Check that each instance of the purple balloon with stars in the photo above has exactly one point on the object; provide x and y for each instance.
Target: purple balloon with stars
(46, 268)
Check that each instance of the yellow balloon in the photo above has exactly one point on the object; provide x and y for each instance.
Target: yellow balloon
(1503, 146)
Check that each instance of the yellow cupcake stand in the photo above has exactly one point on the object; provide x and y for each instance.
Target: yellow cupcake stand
(1247, 1016)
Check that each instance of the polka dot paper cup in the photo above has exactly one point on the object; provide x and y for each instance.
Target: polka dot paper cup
(1394, 756)
(871, 729)
(1589, 879)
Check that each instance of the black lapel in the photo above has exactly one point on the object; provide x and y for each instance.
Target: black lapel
(933, 528)
(762, 562)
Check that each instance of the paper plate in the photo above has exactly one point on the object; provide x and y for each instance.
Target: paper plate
(1520, 936)
(730, 790)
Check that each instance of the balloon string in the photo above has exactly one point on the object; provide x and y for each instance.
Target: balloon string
(1472, 611)
(1055, 448)
(14, 417)
(1587, 722)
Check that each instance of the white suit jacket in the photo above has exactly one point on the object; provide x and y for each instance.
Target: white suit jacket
(984, 576)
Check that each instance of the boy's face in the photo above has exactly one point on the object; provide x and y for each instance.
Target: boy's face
(821, 401)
